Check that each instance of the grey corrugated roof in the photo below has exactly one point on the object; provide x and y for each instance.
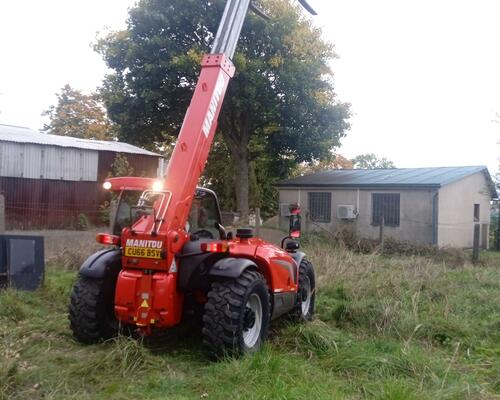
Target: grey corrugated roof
(18, 134)
(390, 178)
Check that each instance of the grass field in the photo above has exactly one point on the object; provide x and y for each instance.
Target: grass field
(386, 328)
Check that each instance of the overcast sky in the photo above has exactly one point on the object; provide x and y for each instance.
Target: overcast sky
(423, 77)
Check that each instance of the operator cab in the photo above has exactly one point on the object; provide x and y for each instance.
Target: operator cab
(204, 215)
(123, 216)
(133, 203)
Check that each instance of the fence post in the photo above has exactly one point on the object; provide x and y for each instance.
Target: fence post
(2, 213)
(475, 245)
(497, 244)
(381, 234)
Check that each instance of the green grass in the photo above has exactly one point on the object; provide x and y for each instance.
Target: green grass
(386, 328)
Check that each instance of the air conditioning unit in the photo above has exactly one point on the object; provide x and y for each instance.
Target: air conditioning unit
(346, 212)
(285, 209)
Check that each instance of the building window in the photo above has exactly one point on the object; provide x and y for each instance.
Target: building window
(385, 205)
(476, 212)
(320, 206)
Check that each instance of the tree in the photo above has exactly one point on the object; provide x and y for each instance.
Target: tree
(371, 161)
(279, 110)
(337, 161)
(121, 166)
(79, 115)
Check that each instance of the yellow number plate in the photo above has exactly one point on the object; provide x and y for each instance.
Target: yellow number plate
(143, 252)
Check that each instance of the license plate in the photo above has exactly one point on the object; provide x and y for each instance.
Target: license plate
(143, 252)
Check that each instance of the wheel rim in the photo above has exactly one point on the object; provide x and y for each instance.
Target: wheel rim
(306, 303)
(251, 333)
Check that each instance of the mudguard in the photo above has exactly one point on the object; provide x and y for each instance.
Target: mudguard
(98, 264)
(231, 267)
(298, 256)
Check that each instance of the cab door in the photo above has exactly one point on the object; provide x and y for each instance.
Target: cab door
(204, 215)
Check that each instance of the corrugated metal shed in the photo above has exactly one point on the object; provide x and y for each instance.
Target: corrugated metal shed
(390, 178)
(26, 160)
(49, 181)
(17, 134)
(57, 203)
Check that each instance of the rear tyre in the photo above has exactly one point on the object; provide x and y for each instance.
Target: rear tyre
(304, 309)
(236, 318)
(91, 309)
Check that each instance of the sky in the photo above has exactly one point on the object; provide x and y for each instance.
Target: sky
(422, 77)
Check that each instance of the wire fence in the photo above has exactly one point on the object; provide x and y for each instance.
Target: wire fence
(45, 216)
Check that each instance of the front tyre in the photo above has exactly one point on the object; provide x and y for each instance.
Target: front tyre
(306, 296)
(237, 314)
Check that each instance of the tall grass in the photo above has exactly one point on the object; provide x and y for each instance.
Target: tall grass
(387, 327)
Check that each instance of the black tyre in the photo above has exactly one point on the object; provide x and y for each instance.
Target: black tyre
(91, 309)
(304, 309)
(237, 314)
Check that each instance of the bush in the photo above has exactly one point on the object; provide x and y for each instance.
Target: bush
(452, 257)
(355, 243)
(105, 213)
(82, 223)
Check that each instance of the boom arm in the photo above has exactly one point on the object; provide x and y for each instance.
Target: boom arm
(198, 129)
(230, 26)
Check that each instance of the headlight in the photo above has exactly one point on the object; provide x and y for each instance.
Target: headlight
(157, 186)
(106, 185)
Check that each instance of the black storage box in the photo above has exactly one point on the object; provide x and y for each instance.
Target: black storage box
(22, 263)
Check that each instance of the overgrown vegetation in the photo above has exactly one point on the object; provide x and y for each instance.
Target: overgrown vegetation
(392, 246)
(387, 327)
(82, 222)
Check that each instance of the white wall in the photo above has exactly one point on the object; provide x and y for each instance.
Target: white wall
(456, 211)
(416, 206)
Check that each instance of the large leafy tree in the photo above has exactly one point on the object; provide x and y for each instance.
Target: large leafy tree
(371, 161)
(79, 115)
(335, 161)
(280, 109)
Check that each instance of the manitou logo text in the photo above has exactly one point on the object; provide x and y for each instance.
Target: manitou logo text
(148, 244)
(214, 102)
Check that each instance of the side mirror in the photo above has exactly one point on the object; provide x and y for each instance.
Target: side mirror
(295, 226)
(222, 231)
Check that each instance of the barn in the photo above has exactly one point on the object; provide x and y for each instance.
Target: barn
(48, 181)
(429, 206)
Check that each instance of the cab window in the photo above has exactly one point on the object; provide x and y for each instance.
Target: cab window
(123, 217)
(203, 215)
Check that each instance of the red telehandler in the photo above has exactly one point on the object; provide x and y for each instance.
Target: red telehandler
(170, 253)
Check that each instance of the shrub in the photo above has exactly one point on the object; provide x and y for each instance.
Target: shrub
(105, 213)
(82, 223)
(452, 257)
